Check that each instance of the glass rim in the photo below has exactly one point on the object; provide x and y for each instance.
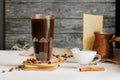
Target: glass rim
(38, 16)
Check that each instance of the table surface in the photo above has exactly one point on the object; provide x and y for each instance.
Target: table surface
(66, 71)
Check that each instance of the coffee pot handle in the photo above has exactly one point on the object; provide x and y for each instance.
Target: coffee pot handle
(115, 39)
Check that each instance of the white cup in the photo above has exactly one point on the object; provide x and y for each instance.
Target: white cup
(86, 57)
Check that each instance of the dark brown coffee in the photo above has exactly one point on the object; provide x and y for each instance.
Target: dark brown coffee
(42, 35)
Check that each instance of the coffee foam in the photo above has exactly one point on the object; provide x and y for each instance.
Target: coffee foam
(38, 16)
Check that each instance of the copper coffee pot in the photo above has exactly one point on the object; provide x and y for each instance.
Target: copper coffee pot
(103, 44)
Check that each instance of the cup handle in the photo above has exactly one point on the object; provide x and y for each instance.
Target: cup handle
(97, 60)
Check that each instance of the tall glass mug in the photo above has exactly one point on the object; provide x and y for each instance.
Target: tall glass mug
(42, 35)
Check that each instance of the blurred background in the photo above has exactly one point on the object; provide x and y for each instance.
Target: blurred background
(68, 24)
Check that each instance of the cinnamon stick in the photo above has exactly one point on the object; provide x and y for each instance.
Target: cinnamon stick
(54, 61)
(91, 69)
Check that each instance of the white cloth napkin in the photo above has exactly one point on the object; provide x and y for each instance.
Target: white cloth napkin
(11, 58)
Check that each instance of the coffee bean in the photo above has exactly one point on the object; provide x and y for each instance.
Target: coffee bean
(54, 55)
(16, 68)
(71, 55)
(64, 56)
(10, 70)
(3, 71)
(20, 67)
(38, 59)
(57, 56)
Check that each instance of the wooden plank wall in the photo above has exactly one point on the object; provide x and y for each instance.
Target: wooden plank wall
(2, 25)
(117, 30)
(68, 25)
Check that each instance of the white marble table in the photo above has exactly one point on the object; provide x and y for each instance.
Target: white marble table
(67, 71)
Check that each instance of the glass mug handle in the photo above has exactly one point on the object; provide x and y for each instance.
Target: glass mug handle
(97, 60)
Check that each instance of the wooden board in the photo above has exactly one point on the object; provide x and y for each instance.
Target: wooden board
(91, 24)
(47, 67)
(33, 64)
